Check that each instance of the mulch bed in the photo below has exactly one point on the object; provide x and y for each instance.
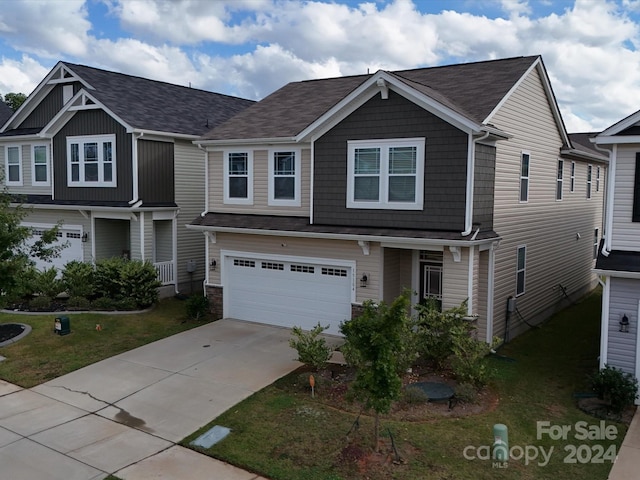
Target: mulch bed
(9, 331)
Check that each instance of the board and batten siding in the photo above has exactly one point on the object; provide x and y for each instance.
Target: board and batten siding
(623, 300)
(305, 247)
(190, 198)
(626, 234)
(155, 171)
(65, 217)
(558, 234)
(260, 183)
(27, 169)
(48, 107)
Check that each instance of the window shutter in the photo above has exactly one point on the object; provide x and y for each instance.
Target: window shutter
(636, 191)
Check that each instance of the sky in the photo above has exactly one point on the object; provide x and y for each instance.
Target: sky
(250, 48)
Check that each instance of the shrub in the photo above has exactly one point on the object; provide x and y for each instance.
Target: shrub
(125, 304)
(103, 303)
(469, 361)
(40, 304)
(23, 287)
(434, 330)
(47, 283)
(197, 307)
(78, 303)
(412, 395)
(78, 279)
(311, 347)
(108, 276)
(139, 282)
(466, 392)
(616, 387)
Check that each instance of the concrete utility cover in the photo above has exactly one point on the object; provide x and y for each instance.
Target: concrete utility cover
(211, 437)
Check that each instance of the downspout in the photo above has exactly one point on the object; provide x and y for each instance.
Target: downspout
(491, 291)
(50, 159)
(134, 167)
(206, 180)
(604, 323)
(470, 281)
(608, 215)
(313, 148)
(471, 167)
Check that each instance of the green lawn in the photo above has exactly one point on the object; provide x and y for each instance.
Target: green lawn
(43, 355)
(283, 434)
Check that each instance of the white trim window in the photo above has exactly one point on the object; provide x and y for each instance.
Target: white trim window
(597, 179)
(386, 174)
(238, 177)
(525, 159)
(572, 185)
(91, 161)
(284, 177)
(40, 165)
(595, 243)
(589, 174)
(521, 269)
(559, 179)
(13, 165)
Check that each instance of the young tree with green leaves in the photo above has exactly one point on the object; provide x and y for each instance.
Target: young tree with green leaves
(14, 100)
(375, 343)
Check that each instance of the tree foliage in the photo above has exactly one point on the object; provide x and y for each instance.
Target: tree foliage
(14, 100)
(375, 344)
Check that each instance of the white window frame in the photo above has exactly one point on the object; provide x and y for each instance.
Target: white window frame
(524, 178)
(596, 243)
(297, 183)
(589, 180)
(598, 178)
(572, 185)
(384, 145)
(560, 180)
(34, 182)
(248, 200)
(15, 183)
(100, 140)
(522, 270)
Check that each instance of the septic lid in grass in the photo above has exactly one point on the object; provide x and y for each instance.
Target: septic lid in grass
(211, 437)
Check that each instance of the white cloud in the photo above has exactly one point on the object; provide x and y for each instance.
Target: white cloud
(20, 76)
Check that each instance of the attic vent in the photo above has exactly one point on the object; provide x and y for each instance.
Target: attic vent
(88, 101)
(67, 74)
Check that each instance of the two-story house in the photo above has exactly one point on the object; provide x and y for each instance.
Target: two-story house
(619, 258)
(456, 182)
(110, 158)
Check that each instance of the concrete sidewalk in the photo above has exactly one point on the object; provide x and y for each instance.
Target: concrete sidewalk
(124, 415)
(627, 464)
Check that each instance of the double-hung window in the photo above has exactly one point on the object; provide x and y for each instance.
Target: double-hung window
(572, 184)
(238, 175)
(284, 177)
(91, 161)
(386, 174)
(524, 177)
(589, 173)
(13, 165)
(597, 179)
(521, 267)
(40, 165)
(559, 179)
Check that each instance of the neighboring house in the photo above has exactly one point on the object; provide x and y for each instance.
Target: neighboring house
(457, 182)
(5, 112)
(619, 259)
(110, 157)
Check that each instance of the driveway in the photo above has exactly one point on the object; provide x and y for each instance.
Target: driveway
(123, 415)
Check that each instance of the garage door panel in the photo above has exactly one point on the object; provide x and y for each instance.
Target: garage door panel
(288, 293)
(71, 238)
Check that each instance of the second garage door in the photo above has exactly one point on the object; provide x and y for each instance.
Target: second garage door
(287, 293)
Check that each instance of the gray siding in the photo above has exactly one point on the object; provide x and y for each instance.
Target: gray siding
(444, 173)
(155, 167)
(112, 237)
(625, 233)
(47, 108)
(93, 122)
(484, 186)
(623, 300)
(163, 238)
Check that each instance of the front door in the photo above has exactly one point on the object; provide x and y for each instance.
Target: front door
(431, 277)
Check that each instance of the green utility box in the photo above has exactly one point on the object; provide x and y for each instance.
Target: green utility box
(62, 326)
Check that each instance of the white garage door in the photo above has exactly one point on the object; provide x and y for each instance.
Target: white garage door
(287, 293)
(71, 237)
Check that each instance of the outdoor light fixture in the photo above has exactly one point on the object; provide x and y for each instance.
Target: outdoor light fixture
(364, 280)
(85, 237)
(213, 264)
(624, 323)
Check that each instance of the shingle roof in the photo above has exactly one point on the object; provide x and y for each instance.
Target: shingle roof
(580, 141)
(152, 105)
(301, 225)
(5, 113)
(619, 261)
(472, 89)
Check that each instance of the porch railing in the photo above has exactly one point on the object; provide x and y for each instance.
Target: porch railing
(165, 271)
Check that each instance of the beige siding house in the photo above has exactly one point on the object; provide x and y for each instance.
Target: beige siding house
(402, 180)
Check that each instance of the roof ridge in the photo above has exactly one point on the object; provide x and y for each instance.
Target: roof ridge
(477, 62)
(111, 72)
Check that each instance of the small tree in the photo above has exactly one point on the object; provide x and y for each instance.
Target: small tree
(374, 344)
(14, 100)
(311, 347)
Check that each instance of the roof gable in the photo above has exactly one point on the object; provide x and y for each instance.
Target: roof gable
(465, 94)
(139, 103)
